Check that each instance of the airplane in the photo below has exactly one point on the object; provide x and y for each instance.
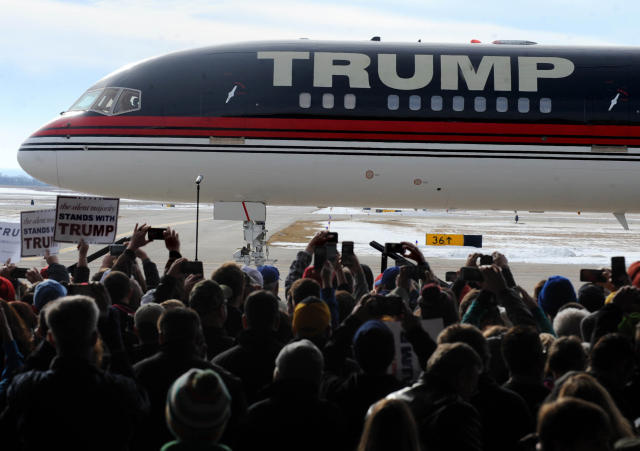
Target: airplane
(509, 125)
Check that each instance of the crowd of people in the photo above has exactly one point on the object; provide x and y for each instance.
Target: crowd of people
(133, 358)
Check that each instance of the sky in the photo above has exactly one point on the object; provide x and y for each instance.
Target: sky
(51, 51)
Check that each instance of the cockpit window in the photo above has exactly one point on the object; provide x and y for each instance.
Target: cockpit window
(109, 101)
(85, 101)
(129, 100)
(106, 100)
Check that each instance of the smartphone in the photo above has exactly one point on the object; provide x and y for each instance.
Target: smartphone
(486, 260)
(319, 257)
(116, 249)
(618, 270)
(471, 274)
(393, 247)
(347, 248)
(332, 237)
(592, 275)
(332, 251)
(19, 273)
(156, 233)
(192, 267)
(451, 276)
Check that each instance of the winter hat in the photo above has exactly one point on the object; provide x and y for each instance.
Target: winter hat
(269, 273)
(7, 291)
(254, 275)
(591, 296)
(311, 317)
(374, 346)
(556, 292)
(634, 274)
(47, 291)
(311, 273)
(197, 402)
(388, 279)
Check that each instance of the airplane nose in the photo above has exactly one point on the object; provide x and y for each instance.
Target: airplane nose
(41, 164)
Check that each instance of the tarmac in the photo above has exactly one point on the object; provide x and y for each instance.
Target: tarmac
(290, 228)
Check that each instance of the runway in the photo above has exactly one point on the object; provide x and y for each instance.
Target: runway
(540, 245)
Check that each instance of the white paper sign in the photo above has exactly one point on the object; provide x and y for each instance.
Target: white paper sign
(9, 241)
(94, 219)
(37, 232)
(406, 366)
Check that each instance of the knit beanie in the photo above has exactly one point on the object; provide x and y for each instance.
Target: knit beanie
(311, 273)
(46, 292)
(7, 291)
(374, 346)
(311, 317)
(198, 402)
(591, 296)
(556, 292)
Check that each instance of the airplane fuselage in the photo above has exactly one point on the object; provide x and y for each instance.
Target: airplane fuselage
(366, 123)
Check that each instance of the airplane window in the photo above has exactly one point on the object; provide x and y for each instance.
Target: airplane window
(480, 104)
(129, 100)
(393, 102)
(349, 101)
(502, 104)
(327, 100)
(545, 105)
(458, 103)
(436, 103)
(523, 105)
(85, 101)
(415, 102)
(105, 101)
(304, 100)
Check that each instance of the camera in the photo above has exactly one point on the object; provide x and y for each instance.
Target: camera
(156, 233)
(192, 267)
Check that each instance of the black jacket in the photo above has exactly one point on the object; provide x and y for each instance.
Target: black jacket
(72, 406)
(158, 372)
(445, 421)
(253, 360)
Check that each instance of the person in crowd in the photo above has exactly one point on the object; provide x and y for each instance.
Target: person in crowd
(207, 299)
(181, 349)
(294, 416)
(565, 354)
(47, 291)
(231, 275)
(389, 425)
(612, 363)
(41, 406)
(146, 330)
(504, 414)
(270, 278)
(591, 296)
(118, 284)
(198, 408)
(374, 350)
(252, 359)
(556, 292)
(522, 352)
(583, 386)
(567, 321)
(439, 401)
(312, 320)
(571, 424)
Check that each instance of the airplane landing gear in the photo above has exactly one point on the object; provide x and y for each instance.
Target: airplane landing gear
(253, 216)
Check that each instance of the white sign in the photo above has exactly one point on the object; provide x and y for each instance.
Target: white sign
(9, 241)
(94, 219)
(37, 232)
(406, 366)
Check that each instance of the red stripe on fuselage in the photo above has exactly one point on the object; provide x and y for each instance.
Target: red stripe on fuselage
(157, 123)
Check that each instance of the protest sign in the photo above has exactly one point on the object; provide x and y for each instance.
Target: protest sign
(9, 241)
(94, 219)
(406, 366)
(37, 228)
